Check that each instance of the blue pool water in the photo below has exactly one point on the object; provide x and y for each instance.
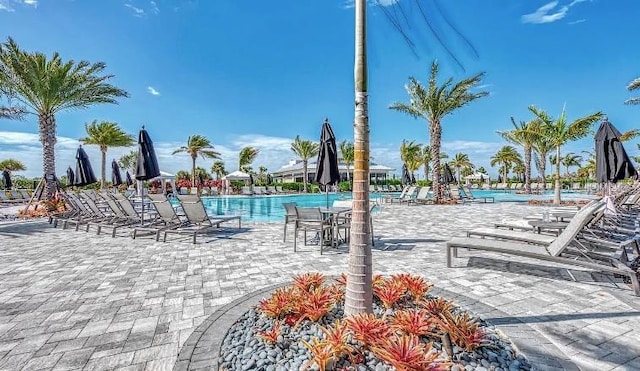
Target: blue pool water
(269, 208)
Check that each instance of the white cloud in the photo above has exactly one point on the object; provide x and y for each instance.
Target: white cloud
(154, 7)
(577, 21)
(348, 4)
(152, 90)
(33, 3)
(5, 6)
(138, 12)
(549, 12)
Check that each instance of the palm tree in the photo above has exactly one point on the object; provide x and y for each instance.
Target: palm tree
(560, 132)
(246, 157)
(46, 86)
(410, 154)
(106, 134)
(425, 157)
(128, 161)
(197, 145)
(346, 150)
(459, 161)
(633, 85)
(305, 149)
(506, 157)
(570, 159)
(218, 169)
(359, 290)
(542, 145)
(183, 175)
(435, 102)
(12, 165)
(523, 134)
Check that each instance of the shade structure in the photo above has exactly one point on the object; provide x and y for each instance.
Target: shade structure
(269, 179)
(116, 177)
(250, 179)
(612, 162)
(448, 177)
(84, 173)
(6, 178)
(71, 177)
(327, 172)
(128, 179)
(147, 163)
(413, 178)
(406, 178)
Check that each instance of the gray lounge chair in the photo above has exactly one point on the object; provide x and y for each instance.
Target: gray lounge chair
(197, 219)
(616, 263)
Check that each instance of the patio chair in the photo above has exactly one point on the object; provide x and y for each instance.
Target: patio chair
(166, 217)
(197, 219)
(289, 217)
(424, 196)
(613, 263)
(246, 191)
(470, 198)
(4, 199)
(311, 219)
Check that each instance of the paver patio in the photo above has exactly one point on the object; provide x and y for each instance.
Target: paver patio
(73, 300)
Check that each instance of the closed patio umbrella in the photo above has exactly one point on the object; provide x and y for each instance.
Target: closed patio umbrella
(147, 165)
(116, 177)
(128, 179)
(406, 178)
(612, 162)
(413, 179)
(7, 179)
(327, 172)
(84, 173)
(448, 175)
(71, 177)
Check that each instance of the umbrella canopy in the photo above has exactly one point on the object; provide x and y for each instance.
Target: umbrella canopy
(250, 179)
(7, 179)
(71, 177)
(147, 164)
(448, 175)
(269, 179)
(612, 162)
(327, 171)
(237, 175)
(413, 179)
(84, 173)
(116, 177)
(406, 178)
(129, 180)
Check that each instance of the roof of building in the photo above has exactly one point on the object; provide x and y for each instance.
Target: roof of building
(311, 167)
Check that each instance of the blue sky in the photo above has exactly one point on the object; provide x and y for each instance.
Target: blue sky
(246, 72)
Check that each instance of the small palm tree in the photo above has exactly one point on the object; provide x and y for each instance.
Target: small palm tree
(104, 135)
(128, 161)
(633, 85)
(410, 154)
(305, 149)
(46, 86)
(460, 161)
(346, 150)
(12, 165)
(183, 175)
(434, 102)
(425, 157)
(506, 157)
(559, 132)
(218, 169)
(197, 145)
(542, 146)
(570, 159)
(523, 134)
(246, 157)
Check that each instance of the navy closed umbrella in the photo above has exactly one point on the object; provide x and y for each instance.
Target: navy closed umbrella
(448, 175)
(327, 171)
(71, 177)
(612, 162)
(7, 179)
(84, 173)
(128, 179)
(116, 177)
(413, 179)
(269, 179)
(147, 164)
(406, 178)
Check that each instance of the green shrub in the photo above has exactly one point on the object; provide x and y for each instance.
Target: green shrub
(344, 186)
(294, 186)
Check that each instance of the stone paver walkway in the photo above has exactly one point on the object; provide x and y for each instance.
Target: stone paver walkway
(73, 300)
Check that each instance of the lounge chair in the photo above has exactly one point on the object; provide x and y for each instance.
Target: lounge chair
(424, 196)
(470, 198)
(4, 199)
(166, 217)
(197, 219)
(616, 262)
(246, 191)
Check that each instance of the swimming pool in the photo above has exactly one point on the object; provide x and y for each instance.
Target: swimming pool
(269, 208)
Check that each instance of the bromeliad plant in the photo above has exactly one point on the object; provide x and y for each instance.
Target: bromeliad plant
(400, 337)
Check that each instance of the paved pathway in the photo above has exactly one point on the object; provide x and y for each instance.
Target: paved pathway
(74, 300)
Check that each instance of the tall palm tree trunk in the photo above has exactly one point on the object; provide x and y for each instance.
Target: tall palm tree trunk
(47, 124)
(103, 171)
(436, 134)
(556, 199)
(305, 175)
(505, 172)
(543, 174)
(527, 169)
(426, 172)
(359, 291)
(348, 176)
(193, 171)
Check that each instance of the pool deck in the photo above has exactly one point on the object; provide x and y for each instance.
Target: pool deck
(73, 300)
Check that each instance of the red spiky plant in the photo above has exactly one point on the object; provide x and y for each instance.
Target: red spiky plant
(367, 329)
(463, 330)
(337, 336)
(416, 322)
(270, 335)
(415, 285)
(389, 292)
(321, 352)
(436, 306)
(407, 353)
(308, 281)
(280, 303)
